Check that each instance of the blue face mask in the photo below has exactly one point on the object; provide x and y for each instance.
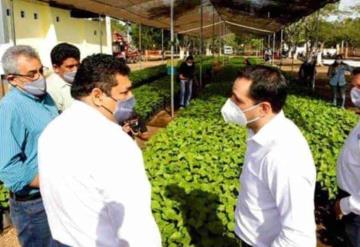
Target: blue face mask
(124, 109)
(37, 87)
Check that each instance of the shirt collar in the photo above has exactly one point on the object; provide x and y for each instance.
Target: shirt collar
(91, 111)
(267, 133)
(29, 95)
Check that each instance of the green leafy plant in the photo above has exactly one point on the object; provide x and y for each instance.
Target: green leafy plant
(195, 163)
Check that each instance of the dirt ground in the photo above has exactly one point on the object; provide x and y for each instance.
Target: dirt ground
(329, 231)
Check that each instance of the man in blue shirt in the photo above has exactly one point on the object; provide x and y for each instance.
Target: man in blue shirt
(24, 112)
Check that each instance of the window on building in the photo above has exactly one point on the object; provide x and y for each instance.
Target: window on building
(57, 19)
(95, 32)
(22, 14)
(8, 12)
(36, 16)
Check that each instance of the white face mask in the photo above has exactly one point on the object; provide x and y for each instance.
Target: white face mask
(69, 76)
(233, 114)
(355, 96)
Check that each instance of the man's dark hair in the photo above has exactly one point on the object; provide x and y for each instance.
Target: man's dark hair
(268, 84)
(190, 58)
(356, 71)
(97, 71)
(339, 56)
(63, 51)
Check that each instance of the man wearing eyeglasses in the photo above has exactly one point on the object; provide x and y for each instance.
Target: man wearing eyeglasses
(24, 113)
(65, 59)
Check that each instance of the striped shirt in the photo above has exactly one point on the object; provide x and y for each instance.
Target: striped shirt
(23, 117)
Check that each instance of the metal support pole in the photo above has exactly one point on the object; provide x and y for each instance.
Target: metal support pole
(201, 42)
(140, 46)
(13, 32)
(172, 55)
(222, 39)
(219, 54)
(213, 32)
(273, 53)
(100, 34)
(162, 44)
(281, 46)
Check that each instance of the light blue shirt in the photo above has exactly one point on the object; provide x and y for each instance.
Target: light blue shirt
(338, 75)
(23, 117)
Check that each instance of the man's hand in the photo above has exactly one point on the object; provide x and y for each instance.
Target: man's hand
(143, 136)
(182, 77)
(35, 183)
(337, 209)
(126, 128)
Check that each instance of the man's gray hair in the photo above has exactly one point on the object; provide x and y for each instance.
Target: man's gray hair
(10, 58)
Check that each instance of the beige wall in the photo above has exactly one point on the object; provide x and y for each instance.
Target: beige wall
(45, 32)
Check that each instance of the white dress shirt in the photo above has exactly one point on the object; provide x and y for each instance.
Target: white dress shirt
(348, 172)
(275, 206)
(60, 91)
(93, 182)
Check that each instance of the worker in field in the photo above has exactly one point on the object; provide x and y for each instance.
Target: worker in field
(338, 83)
(275, 206)
(186, 77)
(307, 72)
(24, 113)
(347, 207)
(93, 181)
(65, 59)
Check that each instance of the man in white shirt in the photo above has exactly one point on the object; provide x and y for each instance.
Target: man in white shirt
(275, 206)
(348, 176)
(93, 182)
(65, 59)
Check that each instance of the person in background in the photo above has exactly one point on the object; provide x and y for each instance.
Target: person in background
(275, 206)
(24, 113)
(336, 74)
(96, 192)
(347, 207)
(186, 76)
(65, 59)
(307, 72)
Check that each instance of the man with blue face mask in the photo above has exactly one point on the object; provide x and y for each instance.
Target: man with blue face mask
(275, 206)
(95, 190)
(347, 206)
(65, 59)
(24, 112)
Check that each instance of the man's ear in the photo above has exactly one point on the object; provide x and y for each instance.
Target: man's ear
(56, 68)
(11, 80)
(97, 96)
(266, 108)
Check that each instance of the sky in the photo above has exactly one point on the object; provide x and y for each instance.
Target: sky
(346, 4)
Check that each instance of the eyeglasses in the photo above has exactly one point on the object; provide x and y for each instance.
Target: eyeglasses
(35, 74)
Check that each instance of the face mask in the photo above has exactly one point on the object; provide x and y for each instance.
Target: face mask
(233, 114)
(124, 109)
(69, 76)
(338, 61)
(36, 88)
(189, 64)
(355, 96)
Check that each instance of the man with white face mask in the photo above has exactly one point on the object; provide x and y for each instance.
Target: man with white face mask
(95, 191)
(65, 59)
(24, 112)
(275, 206)
(347, 206)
